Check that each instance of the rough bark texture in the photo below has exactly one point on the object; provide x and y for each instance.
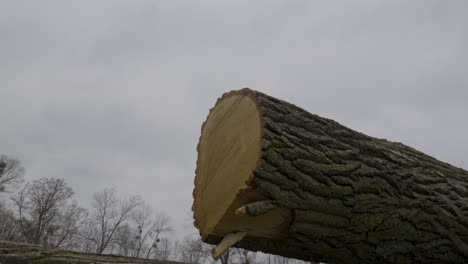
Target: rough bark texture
(355, 198)
(15, 253)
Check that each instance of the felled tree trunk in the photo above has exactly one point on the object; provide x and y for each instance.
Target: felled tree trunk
(16, 253)
(291, 183)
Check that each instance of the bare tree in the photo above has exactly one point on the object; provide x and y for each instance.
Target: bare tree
(64, 232)
(159, 227)
(11, 172)
(141, 235)
(282, 260)
(143, 219)
(194, 251)
(226, 257)
(45, 213)
(276, 259)
(245, 256)
(108, 213)
(166, 250)
(8, 229)
(125, 241)
(87, 237)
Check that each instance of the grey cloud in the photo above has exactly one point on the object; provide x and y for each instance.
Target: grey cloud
(113, 93)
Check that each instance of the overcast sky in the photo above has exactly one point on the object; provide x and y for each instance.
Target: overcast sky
(113, 93)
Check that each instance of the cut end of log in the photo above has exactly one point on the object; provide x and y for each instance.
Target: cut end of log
(229, 151)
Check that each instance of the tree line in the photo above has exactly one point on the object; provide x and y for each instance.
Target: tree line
(44, 212)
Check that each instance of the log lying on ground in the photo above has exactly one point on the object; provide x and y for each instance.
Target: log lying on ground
(16, 253)
(306, 187)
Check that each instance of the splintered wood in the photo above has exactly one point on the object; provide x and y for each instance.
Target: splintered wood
(228, 241)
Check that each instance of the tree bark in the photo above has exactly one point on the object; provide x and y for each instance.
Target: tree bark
(353, 198)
